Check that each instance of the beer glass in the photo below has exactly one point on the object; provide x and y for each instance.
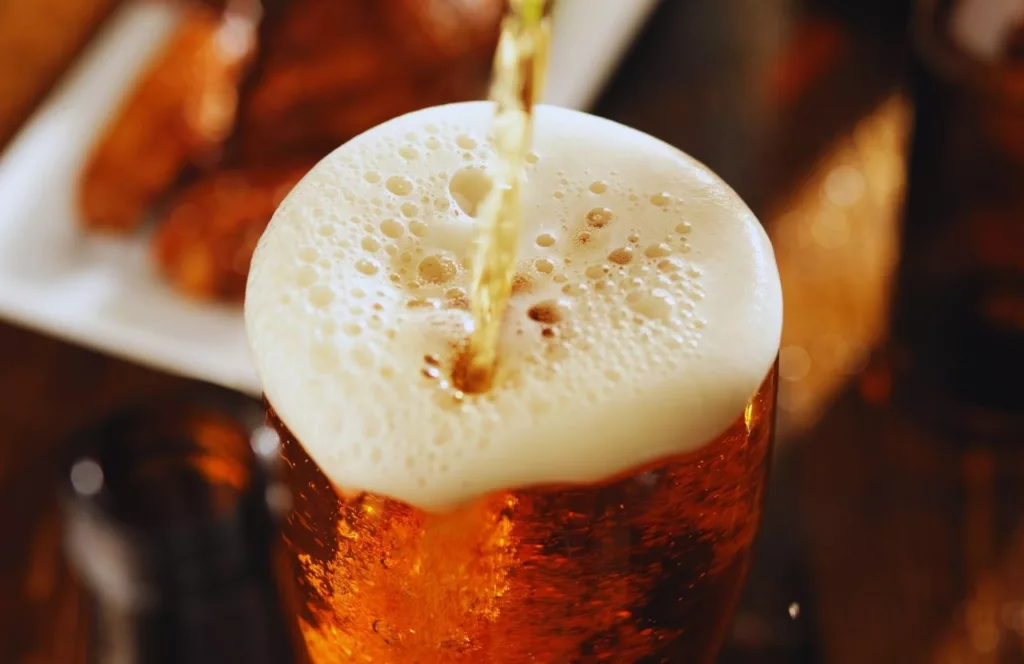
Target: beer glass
(644, 567)
(599, 501)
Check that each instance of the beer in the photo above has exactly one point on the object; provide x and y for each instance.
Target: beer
(645, 566)
(520, 65)
(598, 502)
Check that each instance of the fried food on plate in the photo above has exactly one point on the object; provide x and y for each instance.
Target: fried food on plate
(324, 71)
(178, 115)
(205, 242)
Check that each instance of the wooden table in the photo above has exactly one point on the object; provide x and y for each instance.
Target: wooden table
(745, 95)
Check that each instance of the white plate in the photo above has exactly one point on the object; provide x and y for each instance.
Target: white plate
(103, 292)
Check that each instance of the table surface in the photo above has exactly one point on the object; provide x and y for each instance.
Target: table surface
(797, 107)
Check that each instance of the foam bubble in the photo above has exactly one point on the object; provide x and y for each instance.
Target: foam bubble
(621, 256)
(399, 185)
(546, 240)
(661, 199)
(468, 188)
(437, 269)
(599, 217)
(635, 330)
(392, 228)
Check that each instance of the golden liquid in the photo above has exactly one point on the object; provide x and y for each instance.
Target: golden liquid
(520, 64)
(644, 567)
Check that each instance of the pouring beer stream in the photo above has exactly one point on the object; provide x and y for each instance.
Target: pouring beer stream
(520, 65)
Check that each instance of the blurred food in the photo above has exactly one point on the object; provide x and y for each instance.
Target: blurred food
(204, 244)
(38, 39)
(220, 129)
(179, 114)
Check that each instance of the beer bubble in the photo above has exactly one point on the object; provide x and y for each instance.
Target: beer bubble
(621, 256)
(660, 250)
(549, 312)
(320, 296)
(308, 254)
(532, 158)
(598, 187)
(432, 143)
(373, 177)
(408, 152)
(367, 266)
(454, 294)
(544, 265)
(399, 185)
(575, 290)
(465, 141)
(417, 228)
(437, 269)
(545, 240)
(326, 230)
(583, 238)
(392, 228)
(468, 188)
(409, 209)
(370, 243)
(656, 304)
(599, 217)
(669, 265)
(684, 227)
(521, 283)
(661, 199)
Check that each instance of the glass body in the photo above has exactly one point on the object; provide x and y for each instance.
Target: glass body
(643, 567)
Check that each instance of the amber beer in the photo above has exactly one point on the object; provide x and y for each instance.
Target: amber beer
(598, 501)
(643, 567)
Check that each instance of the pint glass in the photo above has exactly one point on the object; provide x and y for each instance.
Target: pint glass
(644, 567)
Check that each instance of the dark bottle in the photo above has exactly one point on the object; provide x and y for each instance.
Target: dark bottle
(170, 517)
(958, 324)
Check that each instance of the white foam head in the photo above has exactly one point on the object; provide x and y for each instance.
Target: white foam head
(648, 310)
